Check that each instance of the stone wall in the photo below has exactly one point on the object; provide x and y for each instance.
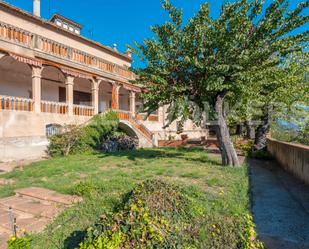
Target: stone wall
(293, 158)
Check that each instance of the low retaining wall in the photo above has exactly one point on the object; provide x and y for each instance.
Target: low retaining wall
(22, 148)
(292, 157)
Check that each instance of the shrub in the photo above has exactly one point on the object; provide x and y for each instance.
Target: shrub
(19, 243)
(79, 139)
(85, 188)
(160, 215)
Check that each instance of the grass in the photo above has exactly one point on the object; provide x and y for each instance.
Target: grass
(221, 190)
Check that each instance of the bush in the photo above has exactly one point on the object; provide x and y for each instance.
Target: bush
(19, 243)
(160, 215)
(79, 139)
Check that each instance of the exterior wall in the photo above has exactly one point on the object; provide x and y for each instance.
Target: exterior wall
(293, 158)
(54, 34)
(23, 124)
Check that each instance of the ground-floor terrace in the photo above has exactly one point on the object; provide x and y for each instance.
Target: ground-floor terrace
(38, 96)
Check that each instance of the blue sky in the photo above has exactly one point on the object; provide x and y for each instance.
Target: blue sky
(119, 21)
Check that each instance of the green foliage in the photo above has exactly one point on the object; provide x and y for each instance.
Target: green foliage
(160, 215)
(188, 65)
(297, 129)
(244, 146)
(19, 243)
(81, 139)
(85, 188)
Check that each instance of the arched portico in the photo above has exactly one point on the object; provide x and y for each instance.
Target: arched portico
(15, 78)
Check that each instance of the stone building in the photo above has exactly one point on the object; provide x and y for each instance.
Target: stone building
(51, 75)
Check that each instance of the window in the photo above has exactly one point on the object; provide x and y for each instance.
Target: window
(53, 129)
(58, 22)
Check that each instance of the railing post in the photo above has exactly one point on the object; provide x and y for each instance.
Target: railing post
(95, 96)
(115, 96)
(132, 103)
(69, 83)
(36, 88)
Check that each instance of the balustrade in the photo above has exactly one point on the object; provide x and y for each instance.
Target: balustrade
(54, 107)
(82, 110)
(55, 48)
(15, 103)
(15, 34)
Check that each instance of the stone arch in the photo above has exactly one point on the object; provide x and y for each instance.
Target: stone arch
(129, 129)
(16, 77)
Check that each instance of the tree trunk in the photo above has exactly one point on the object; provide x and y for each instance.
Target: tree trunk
(239, 129)
(260, 142)
(250, 131)
(228, 152)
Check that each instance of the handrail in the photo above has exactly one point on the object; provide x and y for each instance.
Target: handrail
(125, 115)
(46, 45)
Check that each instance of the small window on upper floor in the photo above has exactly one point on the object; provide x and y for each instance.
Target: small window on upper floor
(59, 23)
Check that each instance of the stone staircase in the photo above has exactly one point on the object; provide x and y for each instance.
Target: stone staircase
(33, 208)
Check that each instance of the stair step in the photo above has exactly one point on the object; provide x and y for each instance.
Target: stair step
(31, 206)
(48, 195)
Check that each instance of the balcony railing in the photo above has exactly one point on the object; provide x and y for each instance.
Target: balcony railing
(54, 107)
(82, 110)
(15, 103)
(46, 45)
(152, 117)
(15, 34)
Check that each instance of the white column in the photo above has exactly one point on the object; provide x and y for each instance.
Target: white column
(69, 83)
(36, 88)
(132, 103)
(95, 95)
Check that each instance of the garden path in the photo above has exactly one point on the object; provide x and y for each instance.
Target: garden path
(280, 206)
(33, 208)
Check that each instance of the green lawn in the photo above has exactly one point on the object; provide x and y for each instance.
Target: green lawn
(221, 190)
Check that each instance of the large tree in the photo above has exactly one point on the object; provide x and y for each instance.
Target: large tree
(207, 59)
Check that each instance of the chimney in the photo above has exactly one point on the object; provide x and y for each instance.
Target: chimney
(36, 8)
(129, 53)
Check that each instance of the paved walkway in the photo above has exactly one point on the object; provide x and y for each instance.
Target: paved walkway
(280, 206)
(33, 208)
